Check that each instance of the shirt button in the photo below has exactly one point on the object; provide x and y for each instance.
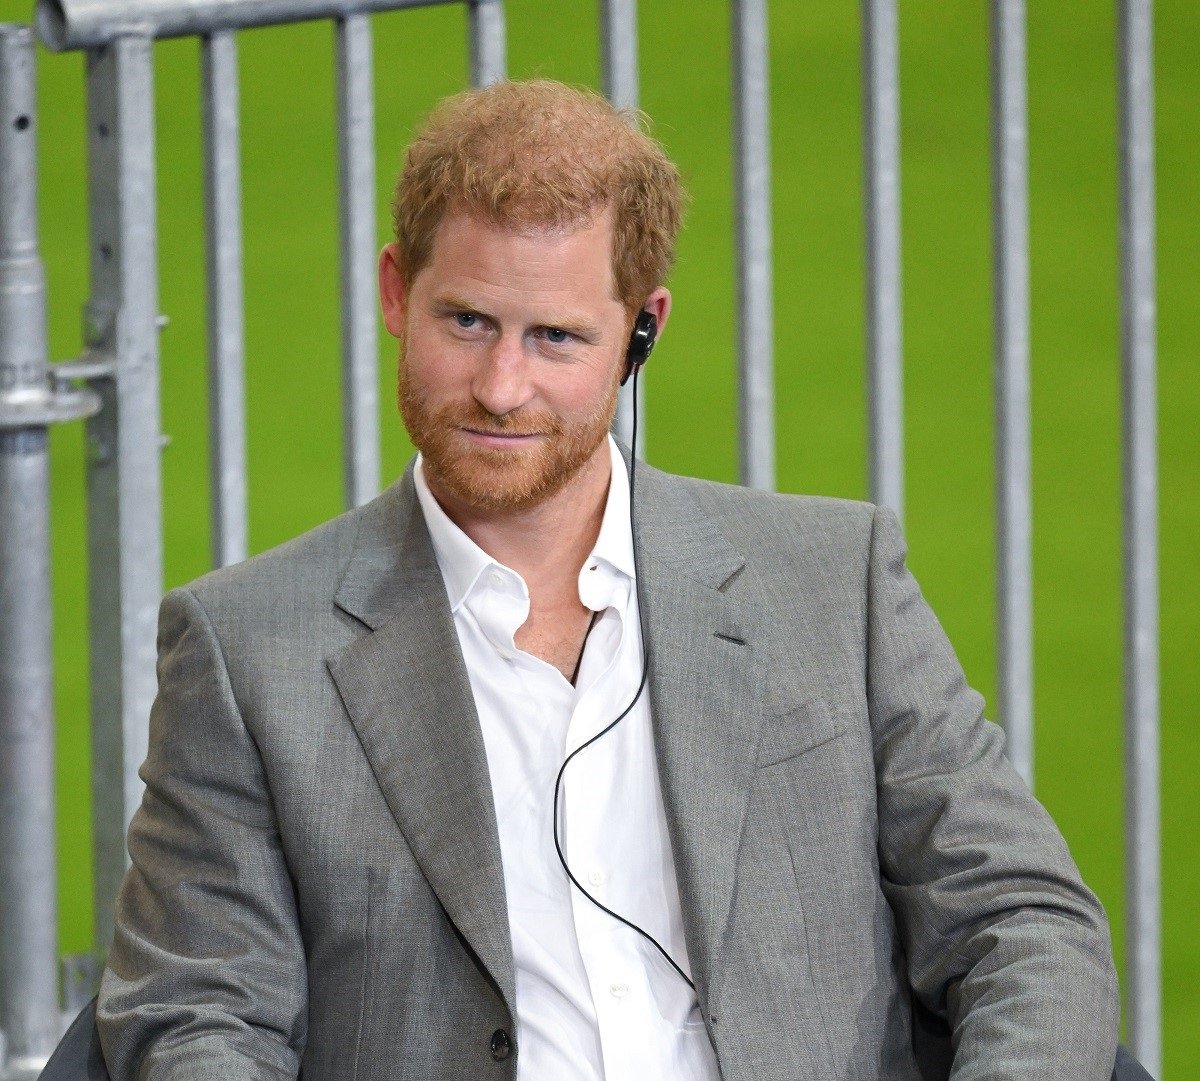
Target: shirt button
(597, 878)
(502, 1045)
(618, 990)
(496, 578)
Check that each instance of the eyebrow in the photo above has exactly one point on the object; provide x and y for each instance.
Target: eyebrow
(580, 326)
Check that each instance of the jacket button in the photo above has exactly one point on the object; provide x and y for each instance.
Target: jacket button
(502, 1045)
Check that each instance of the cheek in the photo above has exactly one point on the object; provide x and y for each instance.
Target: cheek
(433, 368)
(599, 387)
(588, 408)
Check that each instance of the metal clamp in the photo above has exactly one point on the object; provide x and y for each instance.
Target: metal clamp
(43, 406)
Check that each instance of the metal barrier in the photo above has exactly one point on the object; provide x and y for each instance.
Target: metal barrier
(1014, 477)
(752, 192)
(619, 77)
(881, 138)
(120, 366)
(30, 402)
(1139, 440)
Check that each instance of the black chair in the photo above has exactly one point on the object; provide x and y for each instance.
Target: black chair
(1128, 1068)
(78, 1056)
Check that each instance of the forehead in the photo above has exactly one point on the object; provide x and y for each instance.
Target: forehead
(471, 251)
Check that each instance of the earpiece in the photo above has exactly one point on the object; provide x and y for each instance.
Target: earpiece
(641, 343)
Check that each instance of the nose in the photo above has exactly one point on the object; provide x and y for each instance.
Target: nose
(501, 384)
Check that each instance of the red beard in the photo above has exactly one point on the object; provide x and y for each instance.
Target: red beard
(498, 478)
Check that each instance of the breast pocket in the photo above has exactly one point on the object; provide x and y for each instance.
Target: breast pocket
(797, 731)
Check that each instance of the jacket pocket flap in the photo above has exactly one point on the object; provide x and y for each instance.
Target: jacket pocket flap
(798, 730)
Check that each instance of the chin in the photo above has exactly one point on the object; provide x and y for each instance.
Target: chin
(502, 479)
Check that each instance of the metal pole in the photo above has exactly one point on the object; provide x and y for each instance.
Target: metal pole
(30, 1022)
(881, 115)
(1010, 230)
(226, 322)
(752, 185)
(489, 51)
(619, 52)
(29, 1016)
(124, 484)
(360, 332)
(88, 24)
(619, 77)
(1140, 482)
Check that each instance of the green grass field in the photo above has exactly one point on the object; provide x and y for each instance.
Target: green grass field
(292, 339)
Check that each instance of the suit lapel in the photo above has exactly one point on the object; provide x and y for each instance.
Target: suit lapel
(405, 687)
(706, 714)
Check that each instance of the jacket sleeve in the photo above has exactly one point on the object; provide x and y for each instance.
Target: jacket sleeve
(1002, 937)
(206, 977)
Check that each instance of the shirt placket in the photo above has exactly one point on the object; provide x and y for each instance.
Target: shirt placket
(608, 960)
(533, 699)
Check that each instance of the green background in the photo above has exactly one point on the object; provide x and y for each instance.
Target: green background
(292, 342)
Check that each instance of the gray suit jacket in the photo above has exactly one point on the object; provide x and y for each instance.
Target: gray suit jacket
(316, 883)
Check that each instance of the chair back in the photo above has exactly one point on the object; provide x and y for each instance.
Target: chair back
(78, 1056)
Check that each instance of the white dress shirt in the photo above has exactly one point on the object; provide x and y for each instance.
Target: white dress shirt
(594, 999)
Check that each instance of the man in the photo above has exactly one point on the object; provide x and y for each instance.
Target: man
(806, 841)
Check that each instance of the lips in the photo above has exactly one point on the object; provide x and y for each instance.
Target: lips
(501, 435)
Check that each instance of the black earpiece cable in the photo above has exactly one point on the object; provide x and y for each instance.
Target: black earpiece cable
(623, 714)
(582, 646)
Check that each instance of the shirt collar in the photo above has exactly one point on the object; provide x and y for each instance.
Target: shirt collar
(463, 562)
(614, 543)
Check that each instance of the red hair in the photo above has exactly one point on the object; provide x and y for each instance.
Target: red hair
(541, 155)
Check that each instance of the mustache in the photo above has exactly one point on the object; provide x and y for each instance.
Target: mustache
(478, 419)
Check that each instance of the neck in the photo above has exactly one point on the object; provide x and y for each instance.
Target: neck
(546, 544)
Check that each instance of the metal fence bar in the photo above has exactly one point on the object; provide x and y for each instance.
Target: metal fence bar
(488, 42)
(85, 24)
(28, 936)
(752, 185)
(29, 1020)
(226, 318)
(1135, 82)
(29, 1012)
(1014, 482)
(885, 379)
(619, 52)
(360, 334)
(124, 484)
(619, 78)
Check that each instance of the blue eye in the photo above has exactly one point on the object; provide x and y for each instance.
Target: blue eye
(466, 320)
(556, 336)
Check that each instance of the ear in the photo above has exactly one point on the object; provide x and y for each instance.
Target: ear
(393, 293)
(658, 304)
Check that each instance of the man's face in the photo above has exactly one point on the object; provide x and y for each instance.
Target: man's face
(511, 348)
